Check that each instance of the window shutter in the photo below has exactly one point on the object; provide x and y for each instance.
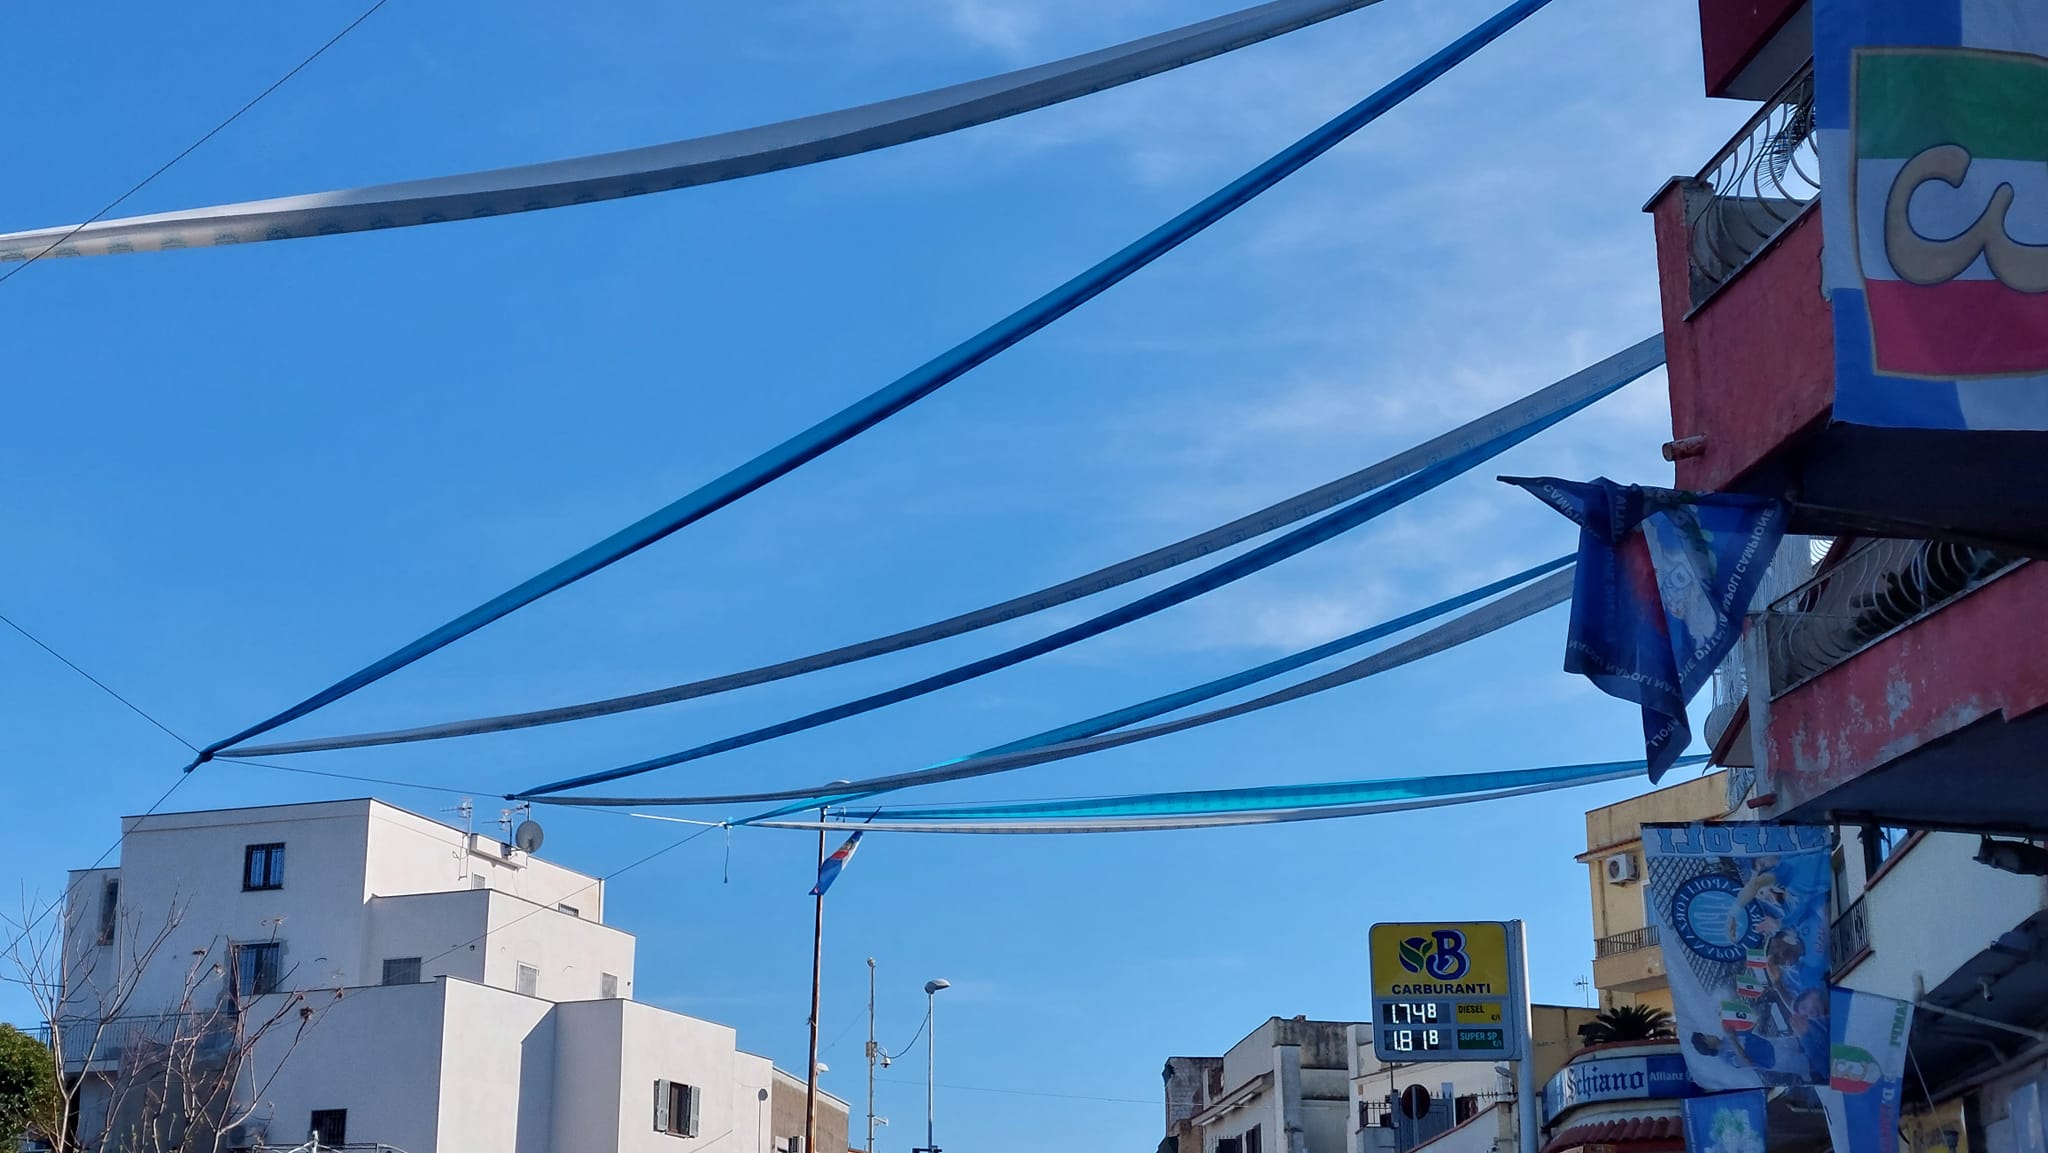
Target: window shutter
(692, 1097)
(661, 1106)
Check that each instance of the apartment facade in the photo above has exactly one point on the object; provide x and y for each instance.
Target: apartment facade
(1301, 1086)
(374, 977)
(1891, 684)
(1628, 965)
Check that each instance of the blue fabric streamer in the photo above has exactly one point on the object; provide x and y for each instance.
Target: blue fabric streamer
(1254, 560)
(1514, 607)
(1634, 360)
(1159, 706)
(878, 406)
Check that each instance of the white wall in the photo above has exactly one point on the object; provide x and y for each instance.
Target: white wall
(411, 854)
(192, 862)
(497, 1071)
(659, 1045)
(1977, 903)
(376, 1053)
(442, 929)
(570, 953)
(589, 1039)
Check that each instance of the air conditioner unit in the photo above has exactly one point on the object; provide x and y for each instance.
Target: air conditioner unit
(1621, 868)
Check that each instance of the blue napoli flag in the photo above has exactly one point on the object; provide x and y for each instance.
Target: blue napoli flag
(830, 868)
(1664, 579)
(1725, 1123)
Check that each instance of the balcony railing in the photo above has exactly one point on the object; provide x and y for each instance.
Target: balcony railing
(1849, 937)
(1880, 587)
(1628, 942)
(1755, 187)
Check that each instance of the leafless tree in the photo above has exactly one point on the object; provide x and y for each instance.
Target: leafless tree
(147, 1064)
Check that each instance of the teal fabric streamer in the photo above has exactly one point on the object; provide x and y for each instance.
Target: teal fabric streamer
(914, 386)
(1271, 797)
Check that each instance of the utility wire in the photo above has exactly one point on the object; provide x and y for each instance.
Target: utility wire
(1027, 1092)
(68, 663)
(397, 784)
(194, 146)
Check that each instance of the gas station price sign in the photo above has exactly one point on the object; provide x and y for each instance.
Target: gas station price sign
(1447, 991)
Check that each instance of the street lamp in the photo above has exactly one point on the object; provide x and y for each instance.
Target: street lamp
(931, 1060)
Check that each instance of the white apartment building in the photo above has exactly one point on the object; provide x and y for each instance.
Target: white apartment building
(429, 990)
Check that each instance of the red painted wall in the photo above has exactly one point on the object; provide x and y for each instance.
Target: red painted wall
(1979, 656)
(1732, 30)
(1757, 364)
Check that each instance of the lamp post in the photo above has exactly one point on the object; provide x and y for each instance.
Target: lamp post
(931, 1059)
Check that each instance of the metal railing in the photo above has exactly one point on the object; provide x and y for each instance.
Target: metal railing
(1792, 564)
(89, 1041)
(1629, 942)
(1850, 934)
(1758, 184)
(1880, 587)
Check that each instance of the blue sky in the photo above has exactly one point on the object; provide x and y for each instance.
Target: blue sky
(232, 475)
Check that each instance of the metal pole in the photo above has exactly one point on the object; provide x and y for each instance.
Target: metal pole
(1525, 1069)
(931, 1066)
(817, 964)
(871, 1055)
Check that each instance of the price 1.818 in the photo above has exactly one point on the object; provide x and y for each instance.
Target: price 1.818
(1413, 1040)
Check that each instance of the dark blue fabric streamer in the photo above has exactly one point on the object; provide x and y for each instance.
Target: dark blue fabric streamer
(1299, 540)
(878, 406)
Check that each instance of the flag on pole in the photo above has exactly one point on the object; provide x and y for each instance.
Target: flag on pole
(1664, 578)
(1866, 1071)
(829, 868)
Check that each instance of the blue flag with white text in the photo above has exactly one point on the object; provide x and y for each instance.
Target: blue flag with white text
(1664, 578)
(829, 868)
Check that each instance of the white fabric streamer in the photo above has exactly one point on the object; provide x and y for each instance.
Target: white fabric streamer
(682, 164)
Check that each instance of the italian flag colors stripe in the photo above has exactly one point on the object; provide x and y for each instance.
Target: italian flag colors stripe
(1908, 100)
(1962, 328)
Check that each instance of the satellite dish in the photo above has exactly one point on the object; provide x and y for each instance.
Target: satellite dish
(528, 836)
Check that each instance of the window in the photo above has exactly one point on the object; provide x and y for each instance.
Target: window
(569, 909)
(401, 970)
(608, 986)
(675, 1108)
(329, 1126)
(1254, 1140)
(256, 968)
(528, 980)
(1230, 1145)
(110, 907)
(263, 867)
(1879, 846)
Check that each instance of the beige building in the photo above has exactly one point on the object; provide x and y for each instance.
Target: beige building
(1628, 967)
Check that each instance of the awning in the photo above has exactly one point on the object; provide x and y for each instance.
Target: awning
(1626, 1134)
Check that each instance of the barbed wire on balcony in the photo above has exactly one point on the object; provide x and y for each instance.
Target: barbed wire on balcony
(1758, 184)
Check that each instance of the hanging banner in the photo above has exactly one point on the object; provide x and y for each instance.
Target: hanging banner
(1742, 915)
(1867, 1068)
(1726, 1123)
(1934, 208)
(1664, 578)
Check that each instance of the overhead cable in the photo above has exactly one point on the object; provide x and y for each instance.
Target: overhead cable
(681, 164)
(1566, 394)
(885, 402)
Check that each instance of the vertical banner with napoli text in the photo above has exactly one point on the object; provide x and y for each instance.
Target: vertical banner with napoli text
(1934, 203)
(1742, 914)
